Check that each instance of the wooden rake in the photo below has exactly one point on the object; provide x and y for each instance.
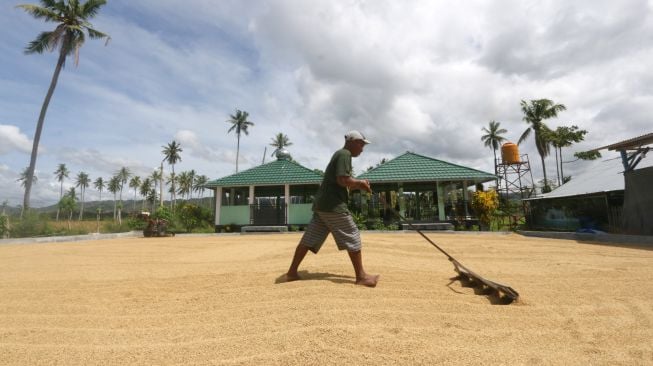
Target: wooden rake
(505, 294)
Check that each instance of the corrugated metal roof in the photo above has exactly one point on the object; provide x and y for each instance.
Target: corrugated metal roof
(277, 172)
(599, 176)
(633, 143)
(411, 167)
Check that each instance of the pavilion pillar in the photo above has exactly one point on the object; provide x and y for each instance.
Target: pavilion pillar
(465, 198)
(286, 198)
(400, 198)
(440, 190)
(218, 204)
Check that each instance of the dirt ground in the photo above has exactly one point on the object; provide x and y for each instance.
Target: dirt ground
(219, 300)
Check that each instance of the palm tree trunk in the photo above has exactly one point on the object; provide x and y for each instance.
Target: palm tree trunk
(562, 174)
(557, 165)
(494, 151)
(39, 128)
(81, 209)
(546, 181)
(60, 195)
(237, 152)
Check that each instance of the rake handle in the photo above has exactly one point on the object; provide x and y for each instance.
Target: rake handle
(396, 213)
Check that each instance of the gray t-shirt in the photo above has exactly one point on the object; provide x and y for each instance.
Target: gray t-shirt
(332, 197)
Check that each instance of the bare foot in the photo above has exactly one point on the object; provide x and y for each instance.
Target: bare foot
(290, 278)
(368, 280)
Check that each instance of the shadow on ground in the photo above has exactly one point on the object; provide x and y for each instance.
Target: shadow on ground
(318, 276)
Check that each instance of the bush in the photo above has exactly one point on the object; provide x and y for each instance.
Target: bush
(31, 225)
(485, 204)
(360, 220)
(4, 226)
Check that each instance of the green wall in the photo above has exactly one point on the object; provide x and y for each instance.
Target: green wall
(238, 215)
(300, 214)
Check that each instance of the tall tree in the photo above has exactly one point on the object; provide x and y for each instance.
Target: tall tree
(23, 182)
(23, 178)
(192, 176)
(61, 173)
(135, 183)
(172, 181)
(68, 203)
(99, 184)
(564, 136)
(157, 179)
(185, 184)
(172, 153)
(123, 175)
(535, 113)
(279, 142)
(144, 190)
(240, 124)
(82, 181)
(114, 187)
(200, 182)
(493, 139)
(72, 18)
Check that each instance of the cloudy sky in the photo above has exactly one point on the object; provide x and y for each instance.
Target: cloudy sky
(421, 76)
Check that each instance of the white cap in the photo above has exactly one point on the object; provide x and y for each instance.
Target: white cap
(355, 135)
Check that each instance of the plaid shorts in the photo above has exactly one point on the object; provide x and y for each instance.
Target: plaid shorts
(340, 225)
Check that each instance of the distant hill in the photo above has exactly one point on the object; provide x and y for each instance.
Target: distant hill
(90, 207)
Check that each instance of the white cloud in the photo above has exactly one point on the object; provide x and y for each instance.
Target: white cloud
(424, 76)
(12, 139)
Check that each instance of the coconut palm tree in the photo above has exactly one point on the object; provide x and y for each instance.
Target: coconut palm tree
(99, 184)
(23, 178)
(192, 176)
(114, 187)
(172, 181)
(564, 136)
(172, 155)
(200, 182)
(279, 142)
(535, 113)
(135, 183)
(123, 175)
(61, 173)
(144, 190)
(68, 37)
(239, 123)
(157, 179)
(82, 182)
(185, 184)
(493, 139)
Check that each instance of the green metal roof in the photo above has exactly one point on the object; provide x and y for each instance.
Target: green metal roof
(277, 172)
(411, 167)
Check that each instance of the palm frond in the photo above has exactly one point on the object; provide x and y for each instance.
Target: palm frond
(524, 136)
(42, 43)
(95, 34)
(91, 8)
(39, 12)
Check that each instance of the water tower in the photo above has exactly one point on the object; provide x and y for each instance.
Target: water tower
(515, 176)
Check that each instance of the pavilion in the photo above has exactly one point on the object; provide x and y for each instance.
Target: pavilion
(280, 193)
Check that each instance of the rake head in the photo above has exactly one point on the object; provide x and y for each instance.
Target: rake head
(504, 294)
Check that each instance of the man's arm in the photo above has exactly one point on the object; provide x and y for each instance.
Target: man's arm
(349, 182)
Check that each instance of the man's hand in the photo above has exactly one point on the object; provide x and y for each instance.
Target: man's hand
(349, 182)
(365, 185)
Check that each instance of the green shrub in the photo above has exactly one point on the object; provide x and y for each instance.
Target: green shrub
(4, 226)
(134, 223)
(360, 220)
(31, 225)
